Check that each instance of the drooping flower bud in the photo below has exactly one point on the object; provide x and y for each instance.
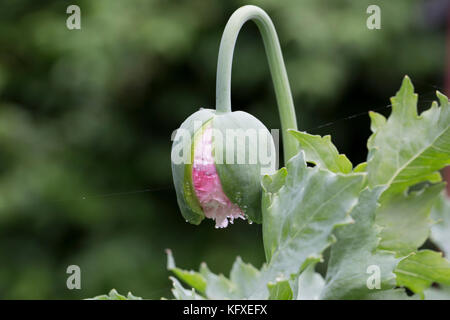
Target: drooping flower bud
(217, 163)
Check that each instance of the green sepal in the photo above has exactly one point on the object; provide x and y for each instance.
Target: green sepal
(242, 182)
(182, 172)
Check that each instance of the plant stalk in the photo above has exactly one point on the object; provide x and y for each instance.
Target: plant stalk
(277, 69)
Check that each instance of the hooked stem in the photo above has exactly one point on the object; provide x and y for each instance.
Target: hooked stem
(276, 65)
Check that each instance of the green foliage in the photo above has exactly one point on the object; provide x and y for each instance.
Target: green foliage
(180, 293)
(310, 284)
(280, 290)
(407, 148)
(299, 219)
(192, 278)
(405, 219)
(373, 220)
(242, 283)
(114, 295)
(322, 152)
(421, 269)
(440, 234)
(87, 114)
(355, 251)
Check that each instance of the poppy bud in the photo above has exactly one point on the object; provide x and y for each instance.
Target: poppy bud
(217, 163)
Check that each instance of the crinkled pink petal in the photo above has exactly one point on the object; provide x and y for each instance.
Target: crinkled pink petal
(213, 200)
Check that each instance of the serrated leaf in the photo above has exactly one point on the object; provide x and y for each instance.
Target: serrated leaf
(377, 121)
(244, 279)
(360, 167)
(273, 183)
(355, 255)
(310, 284)
(322, 152)
(180, 293)
(211, 285)
(218, 286)
(131, 296)
(406, 148)
(418, 271)
(114, 295)
(299, 220)
(405, 219)
(440, 230)
(191, 278)
(280, 290)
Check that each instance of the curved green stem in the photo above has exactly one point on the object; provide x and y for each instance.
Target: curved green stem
(276, 65)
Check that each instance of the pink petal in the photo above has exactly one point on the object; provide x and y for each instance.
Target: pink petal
(213, 200)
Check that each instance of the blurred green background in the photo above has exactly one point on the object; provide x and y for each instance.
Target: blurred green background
(86, 118)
